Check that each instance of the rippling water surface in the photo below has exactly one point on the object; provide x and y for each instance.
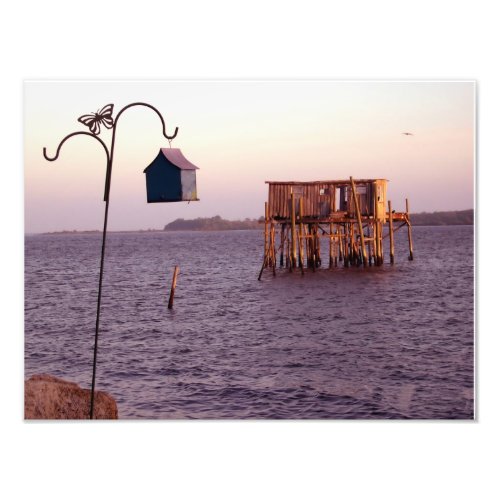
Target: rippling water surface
(389, 342)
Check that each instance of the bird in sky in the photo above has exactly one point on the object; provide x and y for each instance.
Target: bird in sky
(406, 133)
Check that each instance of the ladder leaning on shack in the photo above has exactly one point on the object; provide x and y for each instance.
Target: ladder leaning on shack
(350, 214)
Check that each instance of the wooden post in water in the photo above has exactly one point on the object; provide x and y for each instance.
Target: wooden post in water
(335, 248)
(269, 250)
(266, 248)
(360, 224)
(376, 256)
(313, 246)
(391, 233)
(381, 242)
(370, 241)
(301, 235)
(345, 244)
(310, 262)
(332, 237)
(272, 248)
(318, 246)
(351, 244)
(293, 253)
(377, 233)
(410, 241)
(331, 245)
(172, 289)
(340, 233)
(282, 244)
(306, 246)
(380, 238)
(287, 249)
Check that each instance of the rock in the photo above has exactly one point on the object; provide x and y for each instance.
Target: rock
(52, 398)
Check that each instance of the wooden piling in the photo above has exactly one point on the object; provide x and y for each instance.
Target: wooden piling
(346, 245)
(391, 233)
(301, 235)
(370, 243)
(380, 247)
(313, 247)
(340, 233)
(273, 249)
(172, 289)
(287, 249)
(335, 247)
(331, 245)
(360, 224)
(410, 241)
(318, 248)
(293, 253)
(351, 245)
(376, 257)
(309, 246)
(381, 242)
(282, 244)
(266, 222)
(333, 195)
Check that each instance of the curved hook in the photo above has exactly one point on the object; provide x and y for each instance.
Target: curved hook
(169, 137)
(69, 136)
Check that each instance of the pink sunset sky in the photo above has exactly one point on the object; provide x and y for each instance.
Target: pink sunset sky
(240, 134)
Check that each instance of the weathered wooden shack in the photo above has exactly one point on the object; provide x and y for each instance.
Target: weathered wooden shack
(350, 214)
(323, 199)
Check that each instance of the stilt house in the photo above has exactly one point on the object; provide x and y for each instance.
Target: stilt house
(351, 214)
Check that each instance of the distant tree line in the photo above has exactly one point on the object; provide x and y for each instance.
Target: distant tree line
(453, 218)
(217, 223)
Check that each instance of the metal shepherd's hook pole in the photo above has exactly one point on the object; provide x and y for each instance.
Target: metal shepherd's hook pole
(93, 121)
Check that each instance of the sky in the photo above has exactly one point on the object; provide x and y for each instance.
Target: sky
(241, 134)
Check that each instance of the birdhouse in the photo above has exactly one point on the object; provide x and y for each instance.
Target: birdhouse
(170, 177)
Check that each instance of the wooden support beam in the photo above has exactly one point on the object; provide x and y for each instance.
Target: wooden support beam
(301, 235)
(282, 246)
(397, 229)
(266, 222)
(318, 247)
(375, 243)
(391, 233)
(287, 250)
(370, 244)
(346, 245)
(293, 253)
(340, 232)
(410, 241)
(352, 249)
(313, 247)
(330, 264)
(272, 248)
(269, 256)
(380, 238)
(360, 224)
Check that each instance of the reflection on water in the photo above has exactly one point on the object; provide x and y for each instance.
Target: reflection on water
(390, 342)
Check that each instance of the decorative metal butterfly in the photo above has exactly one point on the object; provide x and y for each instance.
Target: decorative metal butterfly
(94, 120)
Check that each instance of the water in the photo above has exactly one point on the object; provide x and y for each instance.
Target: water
(389, 342)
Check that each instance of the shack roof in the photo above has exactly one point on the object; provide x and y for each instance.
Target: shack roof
(175, 156)
(348, 181)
